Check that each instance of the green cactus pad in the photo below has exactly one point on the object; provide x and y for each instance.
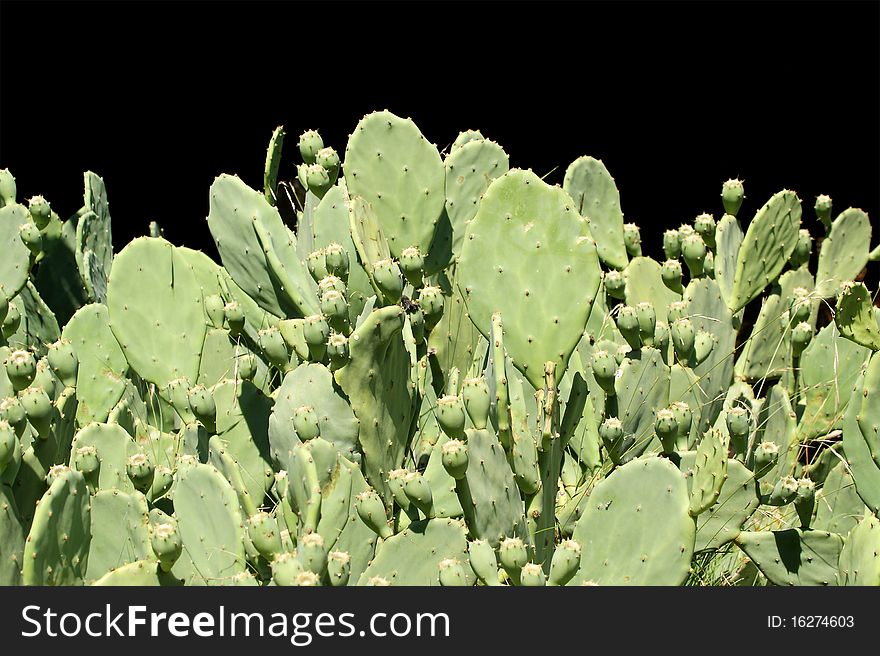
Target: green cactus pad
(547, 247)
(709, 471)
(273, 161)
(141, 573)
(641, 389)
(156, 311)
(390, 164)
(793, 556)
(210, 526)
(312, 385)
(728, 239)
(839, 508)
(766, 247)
(855, 317)
(38, 327)
(57, 548)
(777, 423)
(12, 535)
(844, 251)
(120, 531)
(102, 364)
(57, 277)
(379, 382)
(237, 216)
(645, 283)
(865, 471)
(113, 446)
(860, 557)
(454, 339)
(470, 169)
(636, 529)
(721, 522)
(94, 239)
(413, 556)
(16, 257)
(596, 198)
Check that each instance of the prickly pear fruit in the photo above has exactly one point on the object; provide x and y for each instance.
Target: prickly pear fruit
(418, 492)
(684, 417)
(318, 180)
(823, 210)
(604, 367)
(614, 439)
(310, 142)
(451, 573)
(799, 309)
(85, 460)
(167, 545)
(337, 350)
(11, 321)
(565, 563)
(163, 478)
(693, 249)
(21, 367)
(801, 336)
(388, 278)
(214, 309)
(647, 319)
(704, 225)
(372, 513)
(628, 325)
(8, 444)
(234, 317)
(676, 310)
(329, 282)
(454, 455)
(55, 472)
(246, 364)
(316, 262)
(739, 425)
(671, 273)
(31, 237)
(140, 471)
(632, 239)
(39, 409)
(312, 552)
(732, 194)
(412, 262)
(784, 492)
(703, 345)
(273, 345)
(305, 423)
(801, 254)
(431, 303)
(40, 211)
(335, 307)
(338, 568)
(513, 556)
(805, 501)
(12, 411)
(286, 568)
(7, 188)
(264, 534)
(483, 561)
(666, 429)
(201, 402)
(531, 575)
(475, 393)
(378, 582)
(336, 261)
(615, 284)
(450, 416)
(683, 338)
(329, 159)
(672, 244)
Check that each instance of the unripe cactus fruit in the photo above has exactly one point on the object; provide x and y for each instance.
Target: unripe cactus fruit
(450, 416)
(329, 159)
(31, 237)
(418, 492)
(703, 345)
(709, 264)
(86, 460)
(337, 350)
(329, 282)
(799, 310)
(684, 417)
(40, 211)
(12, 411)
(693, 249)
(683, 338)
(661, 338)
(765, 459)
(647, 319)
(318, 180)
(177, 393)
(335, 307)
(11, 321)
(55, 472)
(632, 239)
(672, 244)
(628, 325)
(338, 568)
(513, 556)
(312, 552)
(801, 336)
(4, 306)
(167, 545)
(483, 561)
(823, 210)
(274, 347)
(396, 478)
(201, 402)
(604, 367)
(412, 263)
(305, 422)
(310, 142)
(372, 513)
(215, 310)
(704, 225)
(451, 573)
(307, 579)
(739, 425)
(475, 393)
(246, 364)
(286, 567)
(801, 254)
(163, 478)
(805, 501)
(732, 194)
(8, 444)
(671, 273)
(336, 261)
(316, 332)
(39, 409)
(431, 302)
(666, 429)
(21, 367)
(234, 317)
(676, 310)
(615, 284)
(140, 471)
(454, 456)
(388, 278)
(565, 563)
(316, 261)
(531, 575)
(622, 353)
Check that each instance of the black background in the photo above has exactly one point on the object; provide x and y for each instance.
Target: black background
(159, 98)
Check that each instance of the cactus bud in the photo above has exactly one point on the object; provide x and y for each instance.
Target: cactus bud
(140, 471)
(661, 339)
(604, 367)
(709, 264)
(739, 425)
(732, 194)
(531, 575)
(513, 556)
(39, 409)
(234, 317)
(647, 319)
(454, 456)
(163, 478)
(316, 332)
(693, 248)
(329, 282)
(418, 492)
(565, 563)
(475, 393)
(671, 274)
(336, 261)
(800, 307)
(703, 345)
(21, 367)
(412, 262)
(214, 308)
(316, 261)
(676, 310)
(310, 142)
(683, 338)
(765, 459)
(55, 472)
(305, 423)
(388, 278)
(823, 210)
(801, 336)
(666, 429)
(684, 418)
(615, 284)
(318, 180)
(801, 253)
(704, 225)
(431, 303)
(628, 325)
(672, 244)
(784, 492)
(632, 239)
(40, 211)
(201, 402)
(329, 159)
(805, 501)
(371, 510)
(450, 415)
(483, 561)
(335, 307)
(452, 573)
(338, 568)
(337, 349)
(274, 347)
(167, 545)
(86, 460)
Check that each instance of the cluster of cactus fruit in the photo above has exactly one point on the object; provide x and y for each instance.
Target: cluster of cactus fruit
(437, 370)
